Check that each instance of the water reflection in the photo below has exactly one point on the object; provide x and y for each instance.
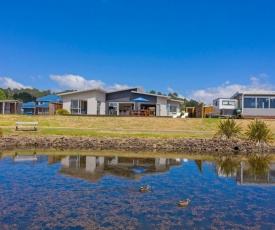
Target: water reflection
(95, 167)
(228, 166)
(256, 169)
(102, 192)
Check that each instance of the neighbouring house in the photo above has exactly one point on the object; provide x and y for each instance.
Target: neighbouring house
(256, 103)
(202, 110)
(10, 107)
(46, 105)
(29, 108)
(132, 101)
(199, 111)
(225, 107)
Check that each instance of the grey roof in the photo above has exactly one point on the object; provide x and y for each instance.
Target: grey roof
(11, 101)
(82, 91)
(256, 93)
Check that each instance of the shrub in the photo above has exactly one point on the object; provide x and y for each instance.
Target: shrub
(62, 111)
(1, 132)
(259, 133)
(228, 165)
(259, 164)
(228, 129)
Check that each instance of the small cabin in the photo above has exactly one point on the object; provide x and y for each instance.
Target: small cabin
(225, 107)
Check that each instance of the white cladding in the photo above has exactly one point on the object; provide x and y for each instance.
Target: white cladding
(91, 97)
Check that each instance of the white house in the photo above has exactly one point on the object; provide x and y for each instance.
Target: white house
(256, 103)
(132, 101)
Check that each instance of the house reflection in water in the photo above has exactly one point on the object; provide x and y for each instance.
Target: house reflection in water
(245, 175)
(93, 167)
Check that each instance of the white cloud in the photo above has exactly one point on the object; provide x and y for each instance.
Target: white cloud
(76, 82)
(117, 87)
(227, 90)
(6, 82)
(80, 83)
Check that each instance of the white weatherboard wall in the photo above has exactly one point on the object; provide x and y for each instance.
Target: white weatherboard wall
(66, 102)
(90, 96)
(102, 98)
(218, 104)
(163, 105)
(173, 103)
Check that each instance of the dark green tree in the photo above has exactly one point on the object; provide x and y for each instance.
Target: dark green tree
(24, 97)
(2, 95)
(191, 103)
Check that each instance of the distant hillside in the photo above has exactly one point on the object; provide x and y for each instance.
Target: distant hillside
(25, 95)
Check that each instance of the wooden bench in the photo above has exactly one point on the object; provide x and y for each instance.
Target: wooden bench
(27, 123)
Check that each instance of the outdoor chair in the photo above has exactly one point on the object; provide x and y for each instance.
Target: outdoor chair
(184, 115)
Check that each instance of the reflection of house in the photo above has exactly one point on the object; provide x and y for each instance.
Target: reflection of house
(100, 102)
(256, 104)
(86, 167)
(93, 168)
(244, 176)
(10, 107)
(43, 105)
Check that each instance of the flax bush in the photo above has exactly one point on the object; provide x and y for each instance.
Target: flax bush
(62, 111)
(228, 129)
(259, 164)
(259, 133)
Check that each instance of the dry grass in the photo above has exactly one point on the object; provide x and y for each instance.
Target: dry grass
(116, 124)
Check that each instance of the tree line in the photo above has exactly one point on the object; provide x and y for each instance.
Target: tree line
(175, 96)
(23, 95)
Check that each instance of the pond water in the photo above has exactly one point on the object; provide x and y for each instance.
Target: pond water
(90, 192)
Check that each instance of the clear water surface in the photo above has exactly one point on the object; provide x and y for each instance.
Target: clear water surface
(90, 192)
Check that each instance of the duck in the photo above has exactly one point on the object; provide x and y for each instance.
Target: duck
(184, 203)
(144, 189)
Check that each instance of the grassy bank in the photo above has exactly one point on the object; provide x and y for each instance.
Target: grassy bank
(115, 126)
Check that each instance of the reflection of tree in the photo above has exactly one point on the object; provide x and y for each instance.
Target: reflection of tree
(228, 165)
(258, 164)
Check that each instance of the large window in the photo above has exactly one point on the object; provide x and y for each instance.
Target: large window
(98, 107)
(272, 102)
(228, 102)
(249, 102)
(173, 108)
(113, 108)
(262, 103)
(75, 107)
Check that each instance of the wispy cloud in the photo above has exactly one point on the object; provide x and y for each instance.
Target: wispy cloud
(170, 90)
(80, 83)
(37, 78)
(117, 87)
(76, 82)
(227, 90)
(6, 82)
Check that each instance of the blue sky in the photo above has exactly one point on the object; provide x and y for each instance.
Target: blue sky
(199, 49)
